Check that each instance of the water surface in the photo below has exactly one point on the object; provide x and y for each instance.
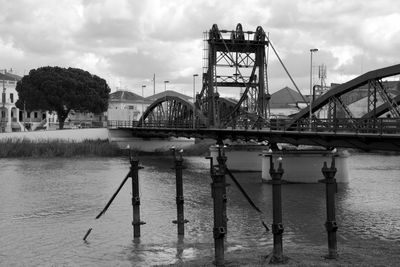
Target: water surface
(47, 205)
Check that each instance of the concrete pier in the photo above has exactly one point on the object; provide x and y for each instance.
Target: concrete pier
(301, 166)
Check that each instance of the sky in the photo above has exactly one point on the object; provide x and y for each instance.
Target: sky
(126, 42)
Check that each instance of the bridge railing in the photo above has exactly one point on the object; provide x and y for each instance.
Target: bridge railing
(353, 125)
(113, 124)
(154, 124)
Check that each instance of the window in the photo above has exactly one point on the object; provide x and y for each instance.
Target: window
(12, 98)
(35, 115)
(28, 115)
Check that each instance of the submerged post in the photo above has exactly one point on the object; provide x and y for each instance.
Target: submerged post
(180, 221)
(221, 159)
(135, 195)
(218, 192)
(330, 224)
(277, 226)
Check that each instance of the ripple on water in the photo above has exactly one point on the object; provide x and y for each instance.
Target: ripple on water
(47, 207)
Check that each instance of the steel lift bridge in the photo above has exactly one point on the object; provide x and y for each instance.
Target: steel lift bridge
(236, 59)
(233, 59)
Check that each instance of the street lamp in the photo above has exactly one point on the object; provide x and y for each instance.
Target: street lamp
(143, 86)
(313, 50)
(3, 110)
(194, 100)
(165, 85)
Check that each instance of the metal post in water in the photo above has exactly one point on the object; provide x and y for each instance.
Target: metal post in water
(135, 195)
(221, 159)
(180, 221)
(277, 226)
(330, 224)
(219, 198)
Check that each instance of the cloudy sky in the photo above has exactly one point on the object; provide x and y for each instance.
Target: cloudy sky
(126, 41)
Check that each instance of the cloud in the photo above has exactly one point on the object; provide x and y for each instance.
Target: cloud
(129, 41)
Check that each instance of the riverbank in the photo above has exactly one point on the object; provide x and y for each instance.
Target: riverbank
(366, 253)
(57, 148)
(22, 148)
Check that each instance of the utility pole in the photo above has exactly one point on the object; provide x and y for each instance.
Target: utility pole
(194, 100)
(143, 86)
(3, 110)
(154, 84)
(311, 86)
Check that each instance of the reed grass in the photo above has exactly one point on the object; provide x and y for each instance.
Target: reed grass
(58, 148)
(20, 148)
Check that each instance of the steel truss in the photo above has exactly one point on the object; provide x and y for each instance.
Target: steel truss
(334, 99)
(243, 55)
(171, 111)
(387, 98)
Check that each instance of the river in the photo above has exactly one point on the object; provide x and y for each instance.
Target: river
(47, 206)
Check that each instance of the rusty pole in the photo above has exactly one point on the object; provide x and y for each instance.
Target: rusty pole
(180, 221)
(330, 224)
(221, 159)
(218, 192)
(135, 195)
(277, 226)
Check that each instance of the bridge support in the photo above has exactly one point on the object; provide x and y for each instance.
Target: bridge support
(135, 196)
(221, 159)
(218, 189)
(277, 226)
(330, 224)
(180, 221)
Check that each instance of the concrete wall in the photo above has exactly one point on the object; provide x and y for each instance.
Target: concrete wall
(124, 137)
(76, 135)
(121, 137)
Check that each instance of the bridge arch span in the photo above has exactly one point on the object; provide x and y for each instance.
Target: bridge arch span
(372, 79)
(171, 111)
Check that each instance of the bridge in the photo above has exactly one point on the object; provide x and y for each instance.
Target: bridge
(243, 53)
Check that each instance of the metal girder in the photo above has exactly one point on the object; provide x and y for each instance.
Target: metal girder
(172, 110)
(382, 109)
(364, 141)
(343, 106)
(393, 107)
(371, 98)
(237, 52)
(347, 87)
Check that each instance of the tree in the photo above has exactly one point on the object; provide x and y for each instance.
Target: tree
(62, 90)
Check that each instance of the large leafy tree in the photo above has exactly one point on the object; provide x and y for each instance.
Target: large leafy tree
(62, 90)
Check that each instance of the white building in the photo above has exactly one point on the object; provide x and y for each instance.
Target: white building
(126, 106)
(13, 119)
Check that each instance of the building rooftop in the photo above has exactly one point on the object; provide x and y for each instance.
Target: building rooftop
(285, 98)
(125, 96)
(9, 76)
(168, 93)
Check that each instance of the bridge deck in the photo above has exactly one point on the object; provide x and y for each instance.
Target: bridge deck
(363, 141)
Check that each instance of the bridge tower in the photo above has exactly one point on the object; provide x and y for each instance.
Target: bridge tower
(235, 61)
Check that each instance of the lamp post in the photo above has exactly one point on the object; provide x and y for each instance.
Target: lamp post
(143, 86)
(194, 100)
(165, 85)
(311, 89)
(3, 110)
